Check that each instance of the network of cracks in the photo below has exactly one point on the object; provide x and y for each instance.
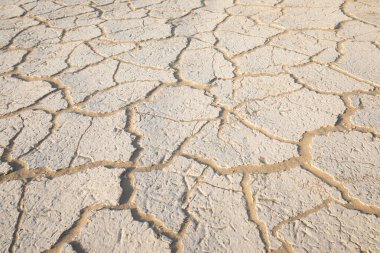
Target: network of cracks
(189, 126)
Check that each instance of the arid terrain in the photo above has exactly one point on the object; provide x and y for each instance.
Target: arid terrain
(158, 126)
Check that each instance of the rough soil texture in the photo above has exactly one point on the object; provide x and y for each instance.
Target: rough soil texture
(190, 126)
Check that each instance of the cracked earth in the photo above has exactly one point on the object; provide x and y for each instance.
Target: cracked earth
(189, 126)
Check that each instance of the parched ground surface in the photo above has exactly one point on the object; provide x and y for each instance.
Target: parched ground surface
(189, 126)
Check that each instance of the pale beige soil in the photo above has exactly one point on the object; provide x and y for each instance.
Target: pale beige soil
(189, 126)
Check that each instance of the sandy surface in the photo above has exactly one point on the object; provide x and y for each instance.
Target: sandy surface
(189, 126)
